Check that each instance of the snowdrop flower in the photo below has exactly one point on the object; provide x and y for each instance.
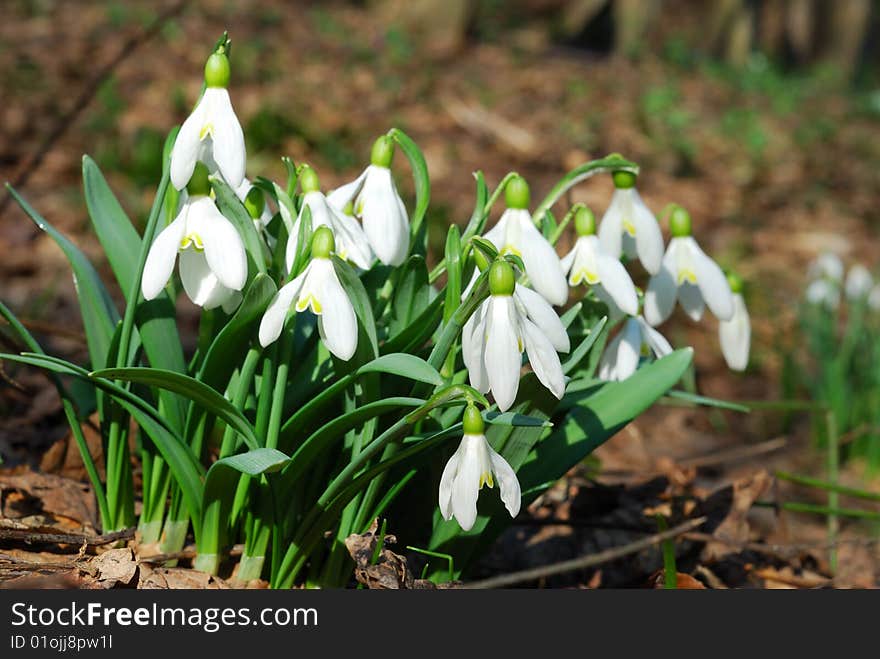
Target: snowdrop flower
(211, 134)
(376, 201)
(588, 263)
(473, 465)
(513, 319)
(689, 275)
(351, 243)
(213, 264)
(858, 282)
(515, 233)
(826, 266)
(735, 334)
(621, 356)
(319, 290)
(826, 273)
(629, 227)
(254, 202)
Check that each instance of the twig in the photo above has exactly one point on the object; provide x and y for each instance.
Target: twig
(51, 537)
(583, 562)
(86, 95)
(187, 552)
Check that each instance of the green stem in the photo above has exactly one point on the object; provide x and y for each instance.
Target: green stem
(825, 485)
(833, 497)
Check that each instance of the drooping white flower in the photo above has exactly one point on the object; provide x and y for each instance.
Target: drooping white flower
(213, 263)
(375, 200)
(317, 288)
(513, 319)
(588, 263)
(824, 293)
(858, 282)
(826, 266)
(688, 275)
(735, 334)
(351, 242)
(517, 234)
(622, 354)
(212, 133)
(629, 227)
(473, 465)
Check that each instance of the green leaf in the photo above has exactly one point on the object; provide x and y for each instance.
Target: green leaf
(155, 319)
(184, 466)
(578, 354)
(420, 177)
(599, 416)
(416, 335)
(450, 395)
(98, 313)
(404, 365)
(225, 352)
(609, 163)
(516, 419)
(696, 399)
(411, 295)
(478, 217)
(454, 267)
(487, 248)
(196, 391)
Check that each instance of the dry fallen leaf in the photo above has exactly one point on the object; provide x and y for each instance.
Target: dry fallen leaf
(734, 529)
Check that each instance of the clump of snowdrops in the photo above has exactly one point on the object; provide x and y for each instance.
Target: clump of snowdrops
(337, 377)
(838, 356)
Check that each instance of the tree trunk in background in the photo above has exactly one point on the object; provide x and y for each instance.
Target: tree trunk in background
(740, 38)
(578, 13)
(631, 21)
(771, 26)
(800, 23)
(849, 24)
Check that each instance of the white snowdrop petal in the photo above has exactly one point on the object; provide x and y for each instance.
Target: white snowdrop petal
(466, 487)
(615, 280)
(543, 315)
(735, 335)
(185, 151)
(508, 483)
(542, 263)
(338, 320)
(341, 196)
(655, 340)
(161, 257)
(611, 226)
(691, 300)
(384, 217)
(503, 356)
(447, 482)
(649, 238)
(661, 294)
(273, 319)
(713, 284)
(543, 358)
(224, 248)
(228, 137)
(198, 281)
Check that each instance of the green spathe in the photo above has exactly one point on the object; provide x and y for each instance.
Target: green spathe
(383, 152)
(680, 223)
(323, 244)
(217, 70)
(584, 221)
(501, 278)
(517, 194)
